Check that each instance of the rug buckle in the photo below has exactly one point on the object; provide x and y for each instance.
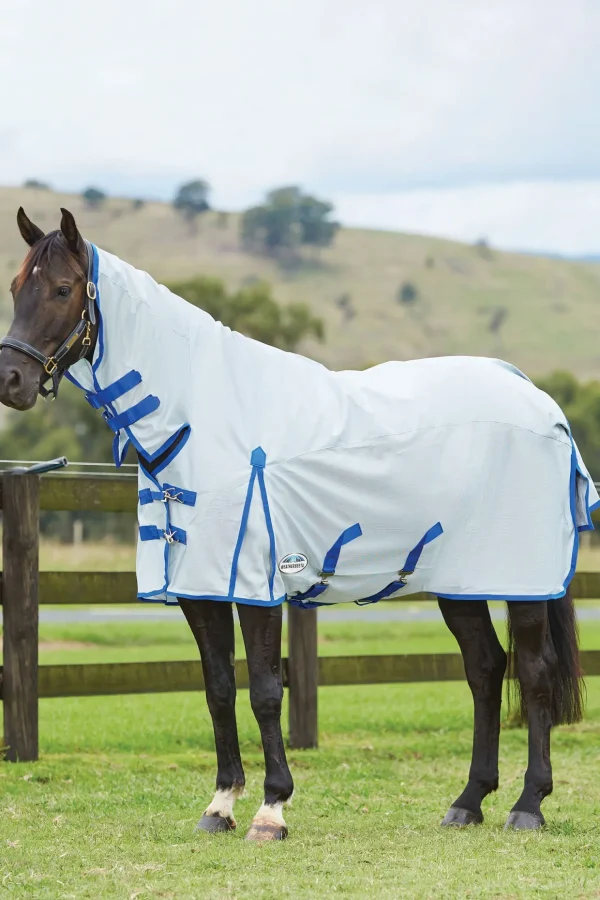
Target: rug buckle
(168, 496)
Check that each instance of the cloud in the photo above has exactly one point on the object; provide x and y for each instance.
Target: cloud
(344, 97)
(536, 216)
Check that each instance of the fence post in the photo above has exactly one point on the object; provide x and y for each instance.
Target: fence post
(303, 677)
(20, 542)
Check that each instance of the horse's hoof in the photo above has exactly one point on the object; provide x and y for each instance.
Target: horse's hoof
(460, 818)
(266, 831)
(215, 824)
(524, 821)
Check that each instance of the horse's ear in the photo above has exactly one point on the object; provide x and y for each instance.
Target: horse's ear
(70, 231)
(30, 233)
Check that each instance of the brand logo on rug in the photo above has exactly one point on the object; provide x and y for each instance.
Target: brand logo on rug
(292, 563)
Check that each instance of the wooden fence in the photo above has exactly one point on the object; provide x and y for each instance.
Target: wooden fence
(23, 588)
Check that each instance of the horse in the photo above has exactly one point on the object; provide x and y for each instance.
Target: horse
(468, 437)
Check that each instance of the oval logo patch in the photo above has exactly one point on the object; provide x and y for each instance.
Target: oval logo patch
(292, 563)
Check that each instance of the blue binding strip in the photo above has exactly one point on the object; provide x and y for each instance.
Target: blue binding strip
(172, 535)
(168, 492)
(329, 566)
(134, 413)
(269, 523)
(409, 567)
(114, 390)
(258, 461)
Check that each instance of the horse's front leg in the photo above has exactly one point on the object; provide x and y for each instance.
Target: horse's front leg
(212, 626)
(261, 627)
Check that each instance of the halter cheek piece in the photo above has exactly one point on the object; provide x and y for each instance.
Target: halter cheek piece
(82, 330)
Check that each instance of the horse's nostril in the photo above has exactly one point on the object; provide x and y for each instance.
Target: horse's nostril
(14, 379)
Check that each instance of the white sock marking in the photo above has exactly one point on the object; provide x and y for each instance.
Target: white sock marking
(269, 814)
(223, 801)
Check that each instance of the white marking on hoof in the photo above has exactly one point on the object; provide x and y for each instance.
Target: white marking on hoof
(269, 814)
(223, 801)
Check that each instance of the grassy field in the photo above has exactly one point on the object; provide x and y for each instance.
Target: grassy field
(109, 810)
(549, 310)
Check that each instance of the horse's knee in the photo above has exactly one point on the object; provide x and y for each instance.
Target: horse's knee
(266, 697)
(221, 700)
(485, 679)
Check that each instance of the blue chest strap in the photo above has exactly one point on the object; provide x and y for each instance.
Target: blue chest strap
(115, 390)
(172, 535)
(133, 414)
(168, 492)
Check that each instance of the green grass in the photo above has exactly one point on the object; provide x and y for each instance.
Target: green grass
(109, 810)
(552, 314)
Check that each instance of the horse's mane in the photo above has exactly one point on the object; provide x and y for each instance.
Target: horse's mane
(51, 248)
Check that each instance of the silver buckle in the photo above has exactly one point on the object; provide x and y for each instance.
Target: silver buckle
(170, 537)
(167, 496)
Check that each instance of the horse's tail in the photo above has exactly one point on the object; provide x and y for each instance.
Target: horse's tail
(568, 689)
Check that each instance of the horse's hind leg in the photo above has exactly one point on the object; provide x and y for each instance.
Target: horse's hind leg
(536, 664)
(261, 627)
(212, 626)
(485, 664)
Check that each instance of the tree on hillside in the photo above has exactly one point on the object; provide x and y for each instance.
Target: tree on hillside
(253, 311)
(191, 198)
(36, 185)
(580, 403)
(287, 221)
(93, 197)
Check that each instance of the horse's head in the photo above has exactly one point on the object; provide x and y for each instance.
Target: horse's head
(53, 313)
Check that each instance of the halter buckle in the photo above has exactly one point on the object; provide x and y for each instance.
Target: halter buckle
(87, 341)
(91, 290)
(50, 366)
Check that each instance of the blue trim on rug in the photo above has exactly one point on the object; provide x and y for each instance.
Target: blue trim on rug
(150, 457)
(589, 525)
(271, 533)
(242, 531)
(149, 598)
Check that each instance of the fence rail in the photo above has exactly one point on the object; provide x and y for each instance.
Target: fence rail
(23, 588)
(97, 679)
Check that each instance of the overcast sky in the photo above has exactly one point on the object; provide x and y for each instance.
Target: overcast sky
(460, 118)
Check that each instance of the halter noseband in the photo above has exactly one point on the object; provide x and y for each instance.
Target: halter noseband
(51, 364)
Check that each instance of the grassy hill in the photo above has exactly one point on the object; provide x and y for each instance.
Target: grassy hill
(539, 313)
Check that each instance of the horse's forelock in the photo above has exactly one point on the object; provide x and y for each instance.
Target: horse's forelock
(51, 249)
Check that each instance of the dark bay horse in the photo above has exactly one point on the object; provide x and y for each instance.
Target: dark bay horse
(55, 324)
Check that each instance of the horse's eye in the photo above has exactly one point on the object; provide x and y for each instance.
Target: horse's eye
(64, 291)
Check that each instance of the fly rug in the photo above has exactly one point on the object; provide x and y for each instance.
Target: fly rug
(264, 478)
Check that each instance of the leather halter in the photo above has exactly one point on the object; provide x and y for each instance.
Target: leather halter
(51, 364)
